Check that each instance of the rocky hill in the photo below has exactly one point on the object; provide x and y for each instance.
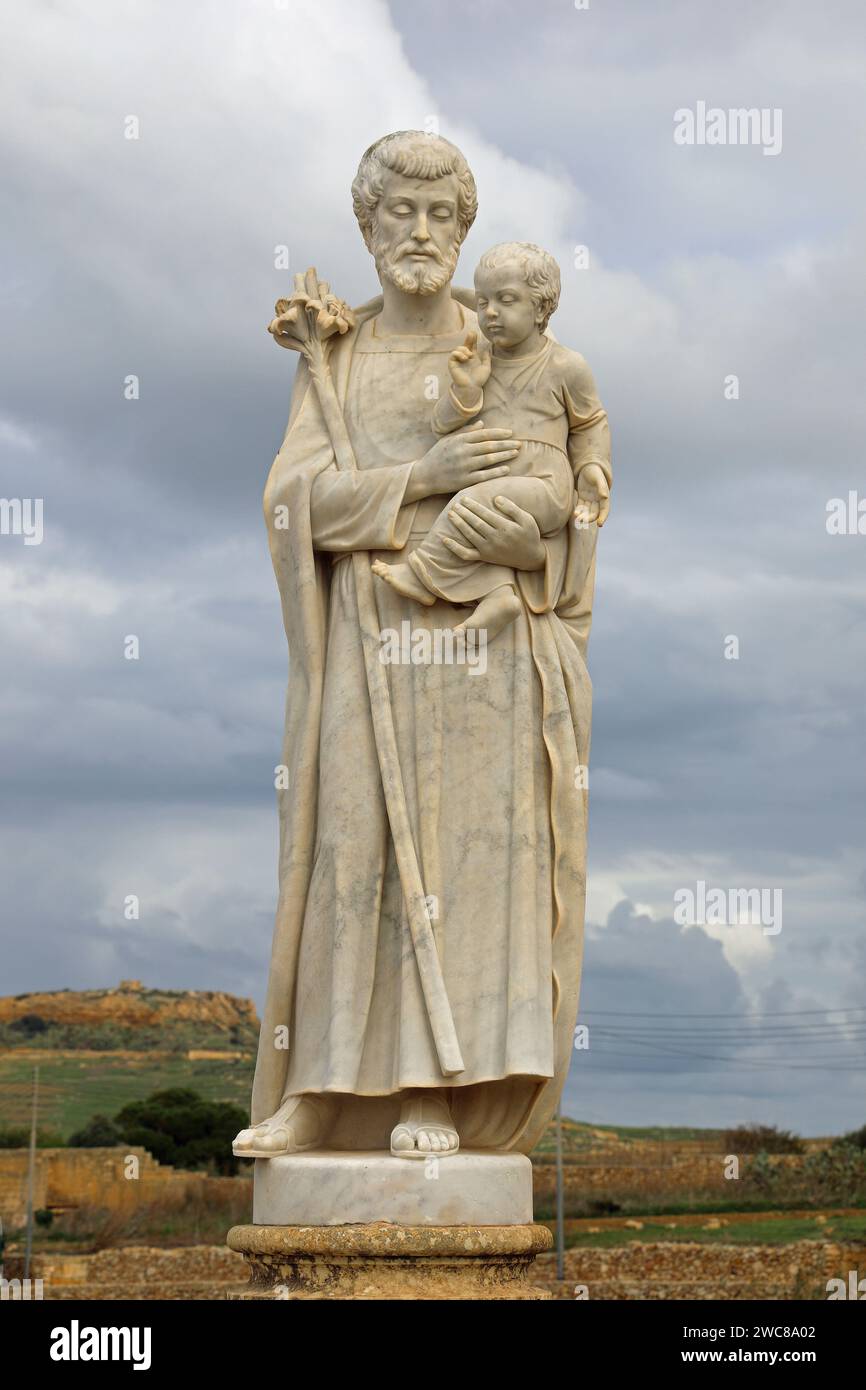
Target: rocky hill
(130, 1017)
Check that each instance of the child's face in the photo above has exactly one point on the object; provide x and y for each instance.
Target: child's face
(506, 311)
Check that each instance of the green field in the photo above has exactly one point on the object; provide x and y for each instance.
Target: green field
(72, 1089)
(774, 1231)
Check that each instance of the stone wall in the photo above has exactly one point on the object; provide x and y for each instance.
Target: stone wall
(105, 1178)
(689, 1270)
(139, 1272)
(677, 1176)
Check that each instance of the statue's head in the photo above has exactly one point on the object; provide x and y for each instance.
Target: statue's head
(517, 285)
(415, 200)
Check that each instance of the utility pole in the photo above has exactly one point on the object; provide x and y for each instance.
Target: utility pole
(31, 1175)
(560, 1207)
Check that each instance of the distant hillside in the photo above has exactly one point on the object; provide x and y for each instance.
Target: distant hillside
(617, 1141)
(130, 1018)
(99, 1049)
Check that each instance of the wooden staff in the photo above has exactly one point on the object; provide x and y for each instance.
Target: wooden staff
(313, 307)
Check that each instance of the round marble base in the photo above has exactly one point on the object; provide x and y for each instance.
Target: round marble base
(384, 1261)
(337, 1188)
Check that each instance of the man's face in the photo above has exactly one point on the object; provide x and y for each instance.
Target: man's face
(414, 241)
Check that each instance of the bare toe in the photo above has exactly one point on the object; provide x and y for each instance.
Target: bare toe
(246, 1139)
(278, 1141)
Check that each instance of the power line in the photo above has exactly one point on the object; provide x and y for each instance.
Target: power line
(795, 1013)
(771, 1038)
(740, 1026)
(765, 1064)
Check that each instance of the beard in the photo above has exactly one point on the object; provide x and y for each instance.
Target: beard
(410, 276)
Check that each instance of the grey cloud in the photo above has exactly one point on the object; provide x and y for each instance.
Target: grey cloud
(156, 258)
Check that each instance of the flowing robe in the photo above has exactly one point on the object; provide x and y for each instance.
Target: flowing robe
(489, 763)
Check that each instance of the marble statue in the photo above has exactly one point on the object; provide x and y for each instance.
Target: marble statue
(443, 476)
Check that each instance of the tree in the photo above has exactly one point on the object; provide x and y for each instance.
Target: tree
(29, 1025)
(99, 1133)
(179, 1127)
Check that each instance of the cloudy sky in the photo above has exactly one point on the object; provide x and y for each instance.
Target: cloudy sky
(154, 257)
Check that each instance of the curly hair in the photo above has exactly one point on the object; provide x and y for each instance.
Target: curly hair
(538, 268)
(419, 156)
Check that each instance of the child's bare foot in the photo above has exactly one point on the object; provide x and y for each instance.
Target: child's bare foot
(493, 613)
(404, 579)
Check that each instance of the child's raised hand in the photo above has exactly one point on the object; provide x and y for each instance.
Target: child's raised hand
(469, 369)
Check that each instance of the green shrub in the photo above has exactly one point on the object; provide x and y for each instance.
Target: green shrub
(99, 1133)
(29, 1025)
(19, 1138)
(831, 1177)
(767, 1139)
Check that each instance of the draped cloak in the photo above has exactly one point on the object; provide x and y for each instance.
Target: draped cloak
(492, 766)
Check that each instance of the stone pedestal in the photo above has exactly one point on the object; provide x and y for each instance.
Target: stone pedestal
(380, 1260)
(326, 1188)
